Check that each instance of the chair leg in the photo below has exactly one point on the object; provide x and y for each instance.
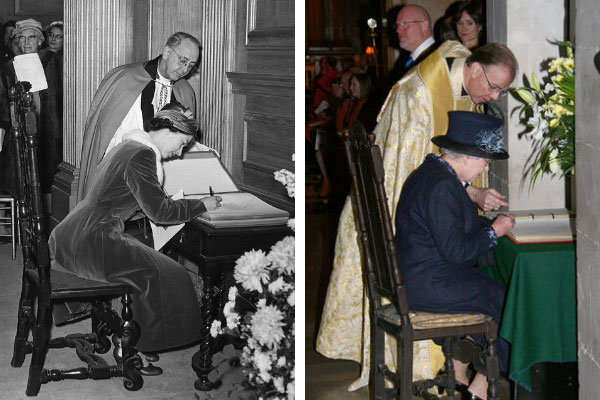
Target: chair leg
(377, 361)
(404, 367)
(41, 334)
(132, 362)
(492, 362)
(450, 379)
(24, 322)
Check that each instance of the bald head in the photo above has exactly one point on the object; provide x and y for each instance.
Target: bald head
(413, 26)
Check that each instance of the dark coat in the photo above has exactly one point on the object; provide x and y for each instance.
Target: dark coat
(90, 242)
(49, 128)
(440, 237)
(399, 69)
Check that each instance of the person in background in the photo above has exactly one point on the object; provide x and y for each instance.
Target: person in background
(414, 29)
(8, 50)
(470, 24)
(54, 34)
(323, 80)
(48, 110)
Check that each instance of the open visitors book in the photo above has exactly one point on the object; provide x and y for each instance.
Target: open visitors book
(542, 226)
(193, 176)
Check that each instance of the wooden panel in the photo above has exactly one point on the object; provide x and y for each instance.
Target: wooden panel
(274, 13)
(271, 60)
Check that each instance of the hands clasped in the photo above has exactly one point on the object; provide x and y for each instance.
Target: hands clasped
(211, 202)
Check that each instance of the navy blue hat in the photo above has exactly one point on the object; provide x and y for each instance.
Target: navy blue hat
(474, 134)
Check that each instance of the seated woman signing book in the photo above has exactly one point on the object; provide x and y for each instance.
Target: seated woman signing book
(90, 242)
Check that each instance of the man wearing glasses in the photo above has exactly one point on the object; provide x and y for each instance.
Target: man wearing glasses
(131, 94)
(413, 26)
(416, 109)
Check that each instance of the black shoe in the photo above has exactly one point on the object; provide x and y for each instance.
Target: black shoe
(150, 357)
(466, 395)
(151, 370)
(461, 387)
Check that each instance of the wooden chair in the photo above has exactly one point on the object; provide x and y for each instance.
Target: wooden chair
(383, 279)
(41, 286)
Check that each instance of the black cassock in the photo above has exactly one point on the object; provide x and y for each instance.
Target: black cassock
(90, 242)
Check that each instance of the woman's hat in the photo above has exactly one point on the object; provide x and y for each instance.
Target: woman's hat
(180, 116)
(474, 134)
(29, 23)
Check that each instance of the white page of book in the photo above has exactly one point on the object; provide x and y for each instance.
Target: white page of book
(28, 68)
(543, 229)
(195, 172)
(241, 205)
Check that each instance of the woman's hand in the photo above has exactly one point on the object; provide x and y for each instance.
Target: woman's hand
(211, 202)
(503, 224)
(487, 199)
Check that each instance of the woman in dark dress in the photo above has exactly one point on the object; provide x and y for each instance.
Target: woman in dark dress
(90, 242)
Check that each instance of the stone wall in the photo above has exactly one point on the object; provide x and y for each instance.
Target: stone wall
(588, 197)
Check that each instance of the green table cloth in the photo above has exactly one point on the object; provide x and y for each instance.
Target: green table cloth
(539, 317)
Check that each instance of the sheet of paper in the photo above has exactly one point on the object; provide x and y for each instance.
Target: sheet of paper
(163, 233)
(241, 206)
(540, 230)
(28, 68)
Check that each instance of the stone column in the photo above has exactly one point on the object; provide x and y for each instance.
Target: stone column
(587, 148)
(98, 37)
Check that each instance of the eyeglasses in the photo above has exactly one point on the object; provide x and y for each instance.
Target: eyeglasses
(405, 24)
(30, 38)
(53, 36)
(184, 61)
(494, 88)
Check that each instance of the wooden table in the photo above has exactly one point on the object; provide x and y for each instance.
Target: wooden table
(215, 251)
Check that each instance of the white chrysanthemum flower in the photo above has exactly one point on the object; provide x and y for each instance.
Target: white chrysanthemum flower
(292, 298)
(233, 291)
(215, 328)
(233, 318)
(282, 255)
(290, 390)
(281, 362)
(288, 179)
(251, 270)
(278, 383)
(277, 285)
(263, 363)
(266, 324)
(292, 224)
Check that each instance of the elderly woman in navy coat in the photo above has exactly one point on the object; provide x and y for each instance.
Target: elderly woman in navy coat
(440, 235)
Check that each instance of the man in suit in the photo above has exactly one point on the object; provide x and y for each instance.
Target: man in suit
(440, 235)
(413, 26)
(131, 94)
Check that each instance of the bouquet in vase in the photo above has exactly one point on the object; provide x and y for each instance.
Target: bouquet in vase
(549, 116)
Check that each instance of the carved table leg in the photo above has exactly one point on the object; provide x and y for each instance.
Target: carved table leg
(202, 359)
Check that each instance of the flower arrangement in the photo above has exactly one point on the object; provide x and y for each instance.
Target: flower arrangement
(266, 283)
(549, 116)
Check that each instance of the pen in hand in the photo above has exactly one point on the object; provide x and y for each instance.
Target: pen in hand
(211, 191)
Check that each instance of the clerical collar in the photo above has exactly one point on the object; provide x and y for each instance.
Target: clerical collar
(422, 47)
(162, 80)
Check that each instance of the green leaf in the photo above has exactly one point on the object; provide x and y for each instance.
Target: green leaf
(525, 95)
(535, 83)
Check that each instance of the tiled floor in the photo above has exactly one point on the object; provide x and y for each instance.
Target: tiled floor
(177, 382)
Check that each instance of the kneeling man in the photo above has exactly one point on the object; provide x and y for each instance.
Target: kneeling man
(440, 235)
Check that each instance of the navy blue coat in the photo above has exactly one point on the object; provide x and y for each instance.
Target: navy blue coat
(440, 237)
